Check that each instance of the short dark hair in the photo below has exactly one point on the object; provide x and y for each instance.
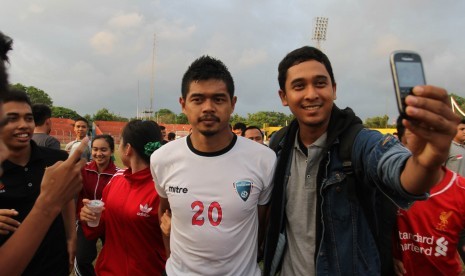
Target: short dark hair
(107, 138)
(5, 46)
(171, 136)
(206, 68)
(462, 121)
(240, 126)
(138, 133)
(298, 56)
(41, 113)
(82, 119)
(252, 127)
(162, 127)
(15, 95)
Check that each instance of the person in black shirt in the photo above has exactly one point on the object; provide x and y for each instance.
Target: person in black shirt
(60, 183)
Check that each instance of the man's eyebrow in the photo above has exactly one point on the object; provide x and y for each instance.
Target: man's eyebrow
(17, 114)
(320, 77)
(297, 80)
(217, 94)
(196, 95)
(221, 94)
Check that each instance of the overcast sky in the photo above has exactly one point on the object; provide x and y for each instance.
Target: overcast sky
(92, 54)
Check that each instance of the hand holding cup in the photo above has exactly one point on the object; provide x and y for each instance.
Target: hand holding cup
(91, 211)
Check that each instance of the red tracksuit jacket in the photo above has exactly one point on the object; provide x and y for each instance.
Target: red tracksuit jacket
(129, 223)
(93, 182)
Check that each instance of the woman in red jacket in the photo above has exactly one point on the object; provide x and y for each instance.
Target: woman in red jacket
(95, 176)
(129, 222)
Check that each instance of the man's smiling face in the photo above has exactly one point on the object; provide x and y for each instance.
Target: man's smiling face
(17, 132)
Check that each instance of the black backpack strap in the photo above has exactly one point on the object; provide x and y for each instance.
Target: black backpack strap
(346, 142)
(277, 138)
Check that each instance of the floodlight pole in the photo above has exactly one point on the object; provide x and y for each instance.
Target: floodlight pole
(152, 85)
(137, 112)
(319, 30)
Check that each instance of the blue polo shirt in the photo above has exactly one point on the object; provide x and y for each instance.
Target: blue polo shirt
(19, 189)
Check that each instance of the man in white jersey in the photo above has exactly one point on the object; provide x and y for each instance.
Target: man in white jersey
(215, 183)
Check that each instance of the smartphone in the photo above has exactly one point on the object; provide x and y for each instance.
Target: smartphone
(407, 72)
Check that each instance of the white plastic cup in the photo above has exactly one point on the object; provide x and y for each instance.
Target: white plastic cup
(95, 206)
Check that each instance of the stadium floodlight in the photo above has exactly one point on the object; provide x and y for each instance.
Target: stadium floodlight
(319, 30)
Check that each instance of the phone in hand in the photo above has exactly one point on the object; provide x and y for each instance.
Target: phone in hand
(407, 72)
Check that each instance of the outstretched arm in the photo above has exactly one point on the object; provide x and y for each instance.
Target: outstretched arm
(431, 129)
(60, 183)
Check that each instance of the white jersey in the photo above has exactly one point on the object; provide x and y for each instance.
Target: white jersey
(213, 200)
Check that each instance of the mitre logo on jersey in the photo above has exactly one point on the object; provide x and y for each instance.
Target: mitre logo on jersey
(243, 188)
(144, 210)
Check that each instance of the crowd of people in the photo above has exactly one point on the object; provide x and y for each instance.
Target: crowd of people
(327, 197)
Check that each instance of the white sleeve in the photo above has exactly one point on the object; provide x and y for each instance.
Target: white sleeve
(268, 173)
(159, 187)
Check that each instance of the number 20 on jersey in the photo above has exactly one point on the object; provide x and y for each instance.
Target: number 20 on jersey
(198, 218)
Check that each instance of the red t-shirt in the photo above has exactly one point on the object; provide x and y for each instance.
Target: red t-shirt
(429, 231)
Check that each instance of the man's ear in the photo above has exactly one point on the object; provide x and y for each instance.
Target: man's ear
(128, 150)
(182, 102)
(233, 103)
(334, 92)
(283, 97)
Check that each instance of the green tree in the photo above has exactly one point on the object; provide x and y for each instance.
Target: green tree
(63, 112)
(103, 115)
(460, 100)
(88, 117)
(165, 116)
(181, 118)
(35, 94)
(289, 118)
(270, 118)
(236, 118)
(377, 122)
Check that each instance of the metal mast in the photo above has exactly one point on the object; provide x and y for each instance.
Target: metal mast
(137, 112)
(152, 84)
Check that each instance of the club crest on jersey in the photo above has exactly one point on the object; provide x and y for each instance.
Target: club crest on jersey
(444, 220)
(243, 188)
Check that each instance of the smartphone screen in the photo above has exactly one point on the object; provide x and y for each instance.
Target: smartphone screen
(409, 74)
